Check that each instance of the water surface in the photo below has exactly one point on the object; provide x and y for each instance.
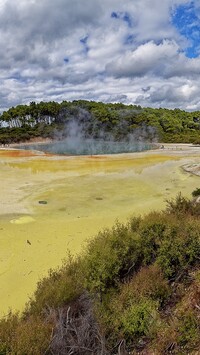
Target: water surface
(80, 146)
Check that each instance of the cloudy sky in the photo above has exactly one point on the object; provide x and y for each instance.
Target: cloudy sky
(145, 52)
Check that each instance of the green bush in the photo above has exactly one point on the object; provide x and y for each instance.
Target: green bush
(179, 249)
(196, 192)
(148, 282)
(188, 330)
(181, 205)
(151, 234)
(122, 311)
(110, 256)
(139, 319)
(58, 288)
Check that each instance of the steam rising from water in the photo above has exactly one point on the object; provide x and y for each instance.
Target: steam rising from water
(80, 139)
(89, 147)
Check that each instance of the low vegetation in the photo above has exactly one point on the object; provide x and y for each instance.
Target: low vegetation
(135, 289)
(96, 119)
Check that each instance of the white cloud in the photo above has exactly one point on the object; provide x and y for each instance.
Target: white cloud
(78, 49)
(148, 57)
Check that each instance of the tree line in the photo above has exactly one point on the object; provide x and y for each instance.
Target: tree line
(52, 119)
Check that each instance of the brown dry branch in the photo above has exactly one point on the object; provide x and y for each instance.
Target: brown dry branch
(77, 331)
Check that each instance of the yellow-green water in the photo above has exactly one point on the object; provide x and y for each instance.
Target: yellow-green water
(83, 195)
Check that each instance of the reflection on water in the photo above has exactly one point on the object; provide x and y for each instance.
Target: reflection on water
(82, 195)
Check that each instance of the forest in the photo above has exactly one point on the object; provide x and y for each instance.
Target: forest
(135, 289)
(52, 120)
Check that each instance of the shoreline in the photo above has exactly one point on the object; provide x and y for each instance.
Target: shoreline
(162, 148)
(157, 145)
(33, 141)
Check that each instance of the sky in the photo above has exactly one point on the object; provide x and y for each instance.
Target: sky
(143, 52)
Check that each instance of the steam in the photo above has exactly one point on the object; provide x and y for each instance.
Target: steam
(82, 135)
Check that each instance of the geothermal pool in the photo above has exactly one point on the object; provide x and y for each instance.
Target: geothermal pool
(81, 146)
(51, 204)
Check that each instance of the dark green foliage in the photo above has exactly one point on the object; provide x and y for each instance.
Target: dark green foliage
(110, 257)
(46, 119)
(132, 312)
(152, 230)
(179, 249)
(196, 192)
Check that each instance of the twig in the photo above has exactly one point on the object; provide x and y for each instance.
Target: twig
(129, 269)
(68, 321)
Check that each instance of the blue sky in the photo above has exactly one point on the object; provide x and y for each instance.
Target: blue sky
(186, 20)
(145, 52)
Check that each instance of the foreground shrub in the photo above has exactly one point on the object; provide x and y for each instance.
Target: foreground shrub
(24, 336)
(139, 320)
(180, 334)
(77, 331)
(188, 330)
(148, 282)
(110, 256)
(180, 248)
(188, 320)
(181, 205)
(8, 326)
(151, 233)
(196, 192)
(132, 313)
(32, 337)
(59, 287)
